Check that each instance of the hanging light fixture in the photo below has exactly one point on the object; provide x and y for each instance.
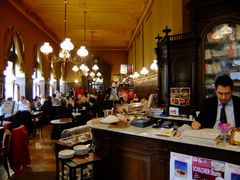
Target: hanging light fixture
(144, 70)
(136, 74)
(82, 51)
(66, 46)
(95, 66)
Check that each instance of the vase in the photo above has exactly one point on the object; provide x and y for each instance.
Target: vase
(224, 137)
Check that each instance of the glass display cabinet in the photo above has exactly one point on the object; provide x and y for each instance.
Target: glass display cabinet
(222, 56)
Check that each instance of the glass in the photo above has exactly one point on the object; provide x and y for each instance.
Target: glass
(222, 55)
(107, 112)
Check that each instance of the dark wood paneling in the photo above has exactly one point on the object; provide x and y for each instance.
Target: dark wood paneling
(129, 157)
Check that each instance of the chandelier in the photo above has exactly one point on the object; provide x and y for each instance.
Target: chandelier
(84, 68)
(66, 46)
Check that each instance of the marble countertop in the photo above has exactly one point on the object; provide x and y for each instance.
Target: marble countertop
(150, 132)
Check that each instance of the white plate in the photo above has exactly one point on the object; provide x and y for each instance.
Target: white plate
(76, 114)
(65, 154)
(109, 119)
(59, 121)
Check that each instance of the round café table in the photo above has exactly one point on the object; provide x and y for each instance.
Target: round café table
(58, 125)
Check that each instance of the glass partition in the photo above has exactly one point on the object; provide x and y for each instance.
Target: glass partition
(222, 56)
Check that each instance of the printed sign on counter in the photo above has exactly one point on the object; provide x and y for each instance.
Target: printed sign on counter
(185, 167)
(180, 166)
(232, 171)
(203, 168)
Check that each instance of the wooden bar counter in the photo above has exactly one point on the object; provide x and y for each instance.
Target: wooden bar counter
(132, 153)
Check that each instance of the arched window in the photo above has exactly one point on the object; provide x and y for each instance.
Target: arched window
(38, 80)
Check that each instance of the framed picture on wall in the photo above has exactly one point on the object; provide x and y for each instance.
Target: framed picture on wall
(1, 90)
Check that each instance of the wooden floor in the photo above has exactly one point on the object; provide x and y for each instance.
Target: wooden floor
(41, 152)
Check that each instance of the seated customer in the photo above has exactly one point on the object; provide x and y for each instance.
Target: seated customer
(210, 112)
(23, 104)
(47, 108)
(62, 111)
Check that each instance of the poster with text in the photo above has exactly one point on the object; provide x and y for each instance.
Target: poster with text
(203, 168)
(232, 171)
(180, 96)
(180, 166)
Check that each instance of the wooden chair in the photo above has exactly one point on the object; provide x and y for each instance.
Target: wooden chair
(1, 120)
(4, 151)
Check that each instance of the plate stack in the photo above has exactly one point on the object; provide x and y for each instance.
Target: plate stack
(66, 154)
(81, 149)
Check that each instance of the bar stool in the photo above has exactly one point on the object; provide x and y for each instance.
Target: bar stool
(80, 161)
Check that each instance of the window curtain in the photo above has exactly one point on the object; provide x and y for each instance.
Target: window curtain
(12, 37)
(18, 43)
(8, 42)
(39, 58)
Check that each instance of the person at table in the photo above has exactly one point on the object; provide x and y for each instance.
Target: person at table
(55, 100)
(37, 103)
(62, 111)
(23, 104)
(210, 112)
(48, 111)
(71, 104)
(84, 108)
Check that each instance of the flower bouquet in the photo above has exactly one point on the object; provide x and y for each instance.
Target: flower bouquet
(225, 129)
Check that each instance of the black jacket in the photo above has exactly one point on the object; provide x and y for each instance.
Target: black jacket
(208, 112)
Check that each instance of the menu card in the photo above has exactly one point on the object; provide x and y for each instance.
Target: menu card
(8, 107)
(180, 166)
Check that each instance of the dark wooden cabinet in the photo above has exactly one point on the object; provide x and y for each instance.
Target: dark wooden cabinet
(132, 157)
(181, 58)
(179, 65)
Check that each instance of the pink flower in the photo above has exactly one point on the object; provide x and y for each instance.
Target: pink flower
(224, 127)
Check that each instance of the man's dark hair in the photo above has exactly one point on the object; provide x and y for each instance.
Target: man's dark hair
(224, 80)
(63, 102)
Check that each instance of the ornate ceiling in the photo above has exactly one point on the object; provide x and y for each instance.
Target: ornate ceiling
(110, 24)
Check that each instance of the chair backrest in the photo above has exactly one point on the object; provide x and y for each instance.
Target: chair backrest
(1, 120)
(75, 131)
(6, 140)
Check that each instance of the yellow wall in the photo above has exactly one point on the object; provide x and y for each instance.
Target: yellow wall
(162, 13)
(32, 35)
(113, 58)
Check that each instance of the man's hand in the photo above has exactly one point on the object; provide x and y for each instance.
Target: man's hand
(196, 124)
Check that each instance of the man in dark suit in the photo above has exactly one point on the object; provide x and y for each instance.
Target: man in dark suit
(210, 112)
